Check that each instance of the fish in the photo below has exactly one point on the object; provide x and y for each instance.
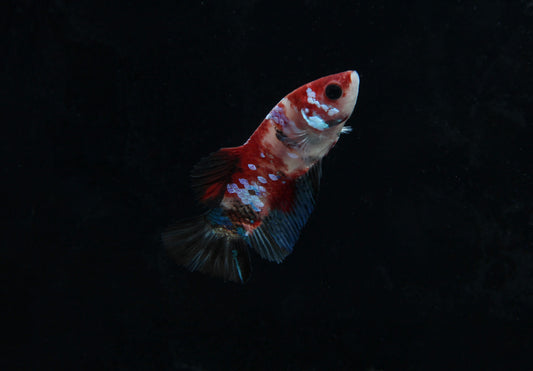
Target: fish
(260, 195)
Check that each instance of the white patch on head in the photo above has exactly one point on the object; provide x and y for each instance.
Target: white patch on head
(273, 177)
(252, 167)
(311, 99)
(292, 155)
(261, 179)
(315, 121)
(332, 111)
(311, 95)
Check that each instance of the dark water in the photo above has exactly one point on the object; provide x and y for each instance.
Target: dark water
(418, 256)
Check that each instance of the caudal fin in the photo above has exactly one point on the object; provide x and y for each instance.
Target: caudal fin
(200, 246)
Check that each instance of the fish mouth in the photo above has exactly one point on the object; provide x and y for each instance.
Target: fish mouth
(332, 123)
(354, 76)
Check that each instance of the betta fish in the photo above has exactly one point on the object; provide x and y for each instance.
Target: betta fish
(260, 195)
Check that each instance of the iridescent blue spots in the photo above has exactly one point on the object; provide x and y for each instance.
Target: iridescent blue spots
(273, 177)
(241, 231)
(251, 194)
(216, 217)
(278, 116)
(252, 167)
(261, 179)
(232, 188)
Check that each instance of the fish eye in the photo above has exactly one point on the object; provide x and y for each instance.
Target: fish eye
(333, 91)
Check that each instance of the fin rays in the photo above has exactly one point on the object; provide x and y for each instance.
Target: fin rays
(200, 246)
(278, 233)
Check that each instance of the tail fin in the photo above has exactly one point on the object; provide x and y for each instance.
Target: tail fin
(202, 246)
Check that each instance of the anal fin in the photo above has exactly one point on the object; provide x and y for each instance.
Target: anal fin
(275, 238)
(202, 246)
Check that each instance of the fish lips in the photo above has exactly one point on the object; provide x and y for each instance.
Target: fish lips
(332, 123)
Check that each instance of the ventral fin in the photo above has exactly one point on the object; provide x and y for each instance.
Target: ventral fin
(274, 239)
(211, 174)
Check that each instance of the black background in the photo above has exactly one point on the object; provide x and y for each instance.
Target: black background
(418, 256)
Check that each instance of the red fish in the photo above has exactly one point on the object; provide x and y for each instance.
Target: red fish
(261, 194)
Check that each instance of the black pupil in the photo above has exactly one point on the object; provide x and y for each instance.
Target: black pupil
(333, 91)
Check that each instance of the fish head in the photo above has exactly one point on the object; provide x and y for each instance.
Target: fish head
(324, 105)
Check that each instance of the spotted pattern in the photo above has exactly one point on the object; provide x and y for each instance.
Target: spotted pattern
(311, 98)
(278, 116)
(251, 193)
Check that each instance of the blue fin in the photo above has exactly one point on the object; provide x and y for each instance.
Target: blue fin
(203, 244)
(274, 239)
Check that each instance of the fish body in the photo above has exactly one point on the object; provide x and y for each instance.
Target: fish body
(261, 194)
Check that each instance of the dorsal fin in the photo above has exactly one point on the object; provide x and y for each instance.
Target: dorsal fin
(211, 174)
(275, 237)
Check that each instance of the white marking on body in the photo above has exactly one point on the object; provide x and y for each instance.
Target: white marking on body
(244, 182)
(292, 155)
(262, 155)
(315, 121)
(261, 179)
(346, 130)
(273, 177)
(252, 167)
